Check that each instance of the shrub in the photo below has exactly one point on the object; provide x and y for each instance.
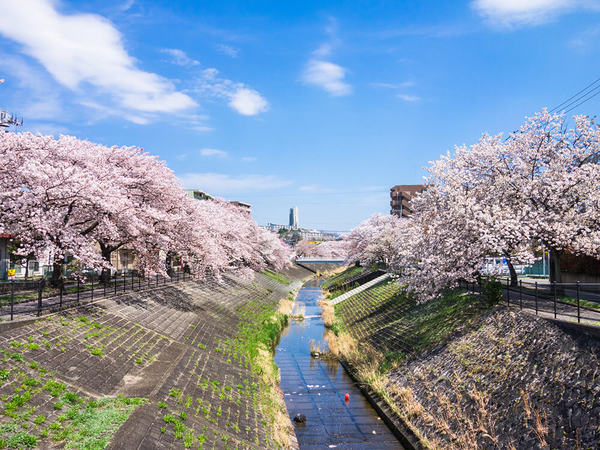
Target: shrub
(492, 289)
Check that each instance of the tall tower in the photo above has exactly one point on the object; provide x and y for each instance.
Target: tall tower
(294, 217)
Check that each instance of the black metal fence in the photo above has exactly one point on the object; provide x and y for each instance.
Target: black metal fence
(580, 301)
(18, 298)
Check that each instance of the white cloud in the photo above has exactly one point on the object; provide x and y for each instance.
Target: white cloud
(327, 76)
(222, 183)
(248, 102)
(408, 98)
(248, 158)
(181, 156)
(213, 152)
(228, 50)
(241, 98)
(86, 50)
(179, 57)
(509, 13)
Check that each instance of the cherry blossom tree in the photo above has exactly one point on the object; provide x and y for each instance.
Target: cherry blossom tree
(376, 240)
(72, 197)
(501, 196)
(50, 202)
(325, 249)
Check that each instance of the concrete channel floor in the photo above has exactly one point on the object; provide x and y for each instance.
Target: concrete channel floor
(316, 388)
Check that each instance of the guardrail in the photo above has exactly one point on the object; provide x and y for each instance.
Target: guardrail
(580, 301)
(24, 298)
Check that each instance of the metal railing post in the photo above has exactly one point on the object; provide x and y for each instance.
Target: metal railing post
(157, 280)
(132, 281)
(536, 298)
(92, 287)
(40, 287)
(521, 294)
(115, 283)
(139, 283)
(124, 282)
(578, 306)
(12, 298)
(507, 292)
(104, 286)
(61, 288)
(554, 289)
(78, 289)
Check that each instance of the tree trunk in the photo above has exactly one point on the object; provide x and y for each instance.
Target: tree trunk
(514, 282)
(106, 251)
(555, 275)
(168, 264)
(57, 277)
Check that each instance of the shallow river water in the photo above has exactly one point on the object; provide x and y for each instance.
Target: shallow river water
(317, 388)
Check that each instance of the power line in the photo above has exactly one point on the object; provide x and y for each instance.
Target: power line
(582, 102)
(577, 97)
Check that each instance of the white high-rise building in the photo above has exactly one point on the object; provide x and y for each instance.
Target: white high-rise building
(294, 217)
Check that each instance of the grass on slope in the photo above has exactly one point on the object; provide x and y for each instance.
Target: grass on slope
(43, 412)
(277, 277)
(377, 329)
(340, 278)
(394, 323)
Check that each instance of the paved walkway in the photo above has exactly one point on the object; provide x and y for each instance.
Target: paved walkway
(360, 288)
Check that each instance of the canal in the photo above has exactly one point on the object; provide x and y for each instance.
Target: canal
(317, 388)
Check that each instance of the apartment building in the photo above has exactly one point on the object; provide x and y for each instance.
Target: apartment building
(401, 195)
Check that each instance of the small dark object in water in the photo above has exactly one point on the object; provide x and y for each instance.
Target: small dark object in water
(300, 418)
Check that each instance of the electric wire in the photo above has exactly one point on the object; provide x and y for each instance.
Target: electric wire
(577, 97)
(582, 102)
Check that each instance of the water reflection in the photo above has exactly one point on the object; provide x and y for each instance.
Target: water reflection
(316, 387)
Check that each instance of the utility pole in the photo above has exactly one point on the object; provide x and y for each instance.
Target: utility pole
(7, 119)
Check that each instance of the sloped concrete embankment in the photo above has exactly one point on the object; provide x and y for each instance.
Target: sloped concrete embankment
(517, 381)
(462, 374)
(191, 349)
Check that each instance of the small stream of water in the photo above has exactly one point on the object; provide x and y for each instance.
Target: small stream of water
(317, 388)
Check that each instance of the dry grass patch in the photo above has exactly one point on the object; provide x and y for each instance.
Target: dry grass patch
(286, 305)
(272, 400)
(327, 312)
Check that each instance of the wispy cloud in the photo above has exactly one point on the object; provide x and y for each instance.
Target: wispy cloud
(213, 152)
(220, 183)
(179, 57)
(228, 50)
(511, 13)
(126, 5)
(321, 72)
(586, 39)
(399, 86)
(408, 98)
(244, 100)
(248, 158)
(402, 85)
(42, 98)
(85, 53)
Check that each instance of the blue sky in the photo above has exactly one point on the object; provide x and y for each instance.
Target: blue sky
(323, 105)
